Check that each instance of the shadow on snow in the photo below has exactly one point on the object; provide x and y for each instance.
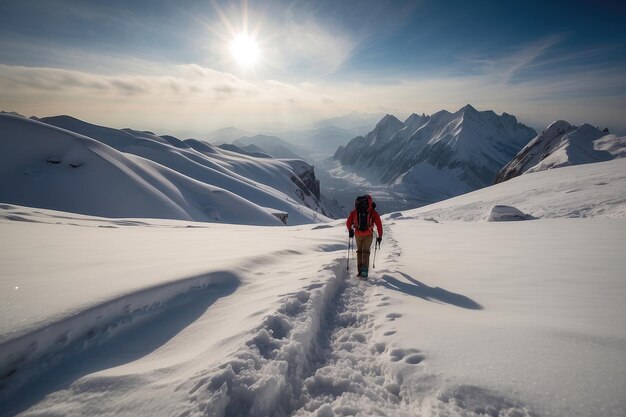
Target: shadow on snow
(421, 290)
(131, 344)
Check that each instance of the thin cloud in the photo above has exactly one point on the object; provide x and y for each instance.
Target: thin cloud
(506, 66)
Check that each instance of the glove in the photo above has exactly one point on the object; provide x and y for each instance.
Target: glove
(379, 239)
(351, 233)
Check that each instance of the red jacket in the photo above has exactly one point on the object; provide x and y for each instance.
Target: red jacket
(373, 220)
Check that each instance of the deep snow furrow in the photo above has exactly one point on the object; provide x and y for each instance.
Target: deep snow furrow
(264, 377)
(315, 351)
(28, 356)
(354, 377)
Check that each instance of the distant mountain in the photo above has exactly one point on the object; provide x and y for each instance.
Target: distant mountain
(563, 144)
(271, 145)
(12, 113)
(226, 135)
(439, 156)
(191, 179)
(250, 150)
(354, 121)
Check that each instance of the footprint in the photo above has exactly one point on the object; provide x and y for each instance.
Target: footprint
(393, 316)
(359, 337)
(382, 304)
(278, 326)
(314, 286)
(379, 348)
(291, 307)
(303, 296)
(389, 333)
(384, 299)
(412, 355)
(397, 354)
(414, 359)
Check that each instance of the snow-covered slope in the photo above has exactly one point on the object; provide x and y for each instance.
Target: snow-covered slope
(250, 150)
(245, 176)
(159, 317)
(438, 156)
(152, 176)
(591, 190)
(562, 144)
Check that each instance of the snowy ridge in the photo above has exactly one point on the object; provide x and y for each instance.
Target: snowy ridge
(145, 175)
(266, 182)
(26, 356)
(44, 166)
(563, 144)
(271, 145)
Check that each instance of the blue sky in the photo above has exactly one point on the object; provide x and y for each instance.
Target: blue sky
(130, 63)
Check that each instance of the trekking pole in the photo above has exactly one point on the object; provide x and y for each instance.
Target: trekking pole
(349, 247)
(376, 246)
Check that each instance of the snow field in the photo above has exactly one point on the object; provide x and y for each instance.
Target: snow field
(32, 354)
(459, 318)
(527, 315)
(590, 190)
(322, 354)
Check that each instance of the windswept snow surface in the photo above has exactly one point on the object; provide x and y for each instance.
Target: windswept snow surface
(125, 173)
(471, 318)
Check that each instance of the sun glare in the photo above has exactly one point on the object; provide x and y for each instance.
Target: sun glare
(245, 50)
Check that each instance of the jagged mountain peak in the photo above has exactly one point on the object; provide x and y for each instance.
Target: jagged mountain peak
(388, 118)
(557, 127)
(468, 108)
(414, 117)
(562, 144)
(440, 155)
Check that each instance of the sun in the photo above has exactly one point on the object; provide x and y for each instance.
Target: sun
(245, 50)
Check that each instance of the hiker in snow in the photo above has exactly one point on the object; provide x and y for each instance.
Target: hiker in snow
(361, 223)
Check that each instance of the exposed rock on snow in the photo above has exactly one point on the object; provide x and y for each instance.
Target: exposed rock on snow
(502, 213)
(563, 144)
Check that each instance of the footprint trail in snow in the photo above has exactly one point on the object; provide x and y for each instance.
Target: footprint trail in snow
(317, 356)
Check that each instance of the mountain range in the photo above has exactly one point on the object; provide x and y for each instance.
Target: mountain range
(563, 144)
(438, 156)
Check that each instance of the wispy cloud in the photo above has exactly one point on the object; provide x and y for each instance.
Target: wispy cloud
(507, 66)
(200, 98)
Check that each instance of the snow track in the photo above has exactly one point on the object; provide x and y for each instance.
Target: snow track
(317, 355)
(313, 355)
